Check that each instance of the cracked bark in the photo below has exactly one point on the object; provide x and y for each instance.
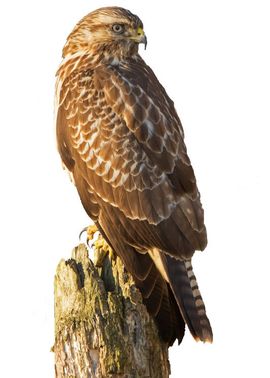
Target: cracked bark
(102, 328)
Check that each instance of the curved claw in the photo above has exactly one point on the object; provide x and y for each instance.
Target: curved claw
(83, 230)
(90, 231)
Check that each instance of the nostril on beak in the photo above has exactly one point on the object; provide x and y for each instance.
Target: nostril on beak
(140, 32)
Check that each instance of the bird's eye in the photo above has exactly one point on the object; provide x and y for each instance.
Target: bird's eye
(118, 28)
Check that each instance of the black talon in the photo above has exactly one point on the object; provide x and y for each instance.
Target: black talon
(83, 230)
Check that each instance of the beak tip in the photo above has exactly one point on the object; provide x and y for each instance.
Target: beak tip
(144, 41)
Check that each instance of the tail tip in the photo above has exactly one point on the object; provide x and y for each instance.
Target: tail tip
(206, 337)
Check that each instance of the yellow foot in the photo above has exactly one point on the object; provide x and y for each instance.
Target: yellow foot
(101, 244)
(102, 249)
(90, 231)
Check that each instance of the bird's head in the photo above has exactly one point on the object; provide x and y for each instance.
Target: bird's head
(111, 29)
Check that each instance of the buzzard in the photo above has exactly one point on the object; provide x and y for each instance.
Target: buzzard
(122, 141)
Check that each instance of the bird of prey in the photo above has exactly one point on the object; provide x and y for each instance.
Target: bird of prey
(122, 141)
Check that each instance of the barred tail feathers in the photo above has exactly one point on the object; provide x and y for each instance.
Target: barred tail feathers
(188, 297)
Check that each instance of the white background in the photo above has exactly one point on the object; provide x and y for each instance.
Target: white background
(213, 58)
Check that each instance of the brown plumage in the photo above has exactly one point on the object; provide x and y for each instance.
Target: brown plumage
(122, 140)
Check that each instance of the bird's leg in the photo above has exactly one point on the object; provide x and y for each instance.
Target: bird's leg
(101, 247)
(101, 250)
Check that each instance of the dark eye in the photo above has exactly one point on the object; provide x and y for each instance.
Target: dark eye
(118, 28)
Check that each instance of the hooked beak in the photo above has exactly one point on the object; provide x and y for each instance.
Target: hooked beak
(140, 37)
(144, 41)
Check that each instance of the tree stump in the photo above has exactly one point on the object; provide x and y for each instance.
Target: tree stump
(102, 328)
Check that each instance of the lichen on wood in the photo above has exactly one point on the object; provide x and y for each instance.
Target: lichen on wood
(102, 328)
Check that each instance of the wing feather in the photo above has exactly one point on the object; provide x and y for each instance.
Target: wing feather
(122, 131)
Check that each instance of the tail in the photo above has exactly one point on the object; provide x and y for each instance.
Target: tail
(188, 297)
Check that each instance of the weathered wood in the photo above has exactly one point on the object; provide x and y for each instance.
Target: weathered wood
(102, 328)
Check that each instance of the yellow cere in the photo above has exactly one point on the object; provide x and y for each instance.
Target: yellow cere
(140, 31)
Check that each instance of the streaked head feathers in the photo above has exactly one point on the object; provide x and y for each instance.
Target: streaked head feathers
(98, 27)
